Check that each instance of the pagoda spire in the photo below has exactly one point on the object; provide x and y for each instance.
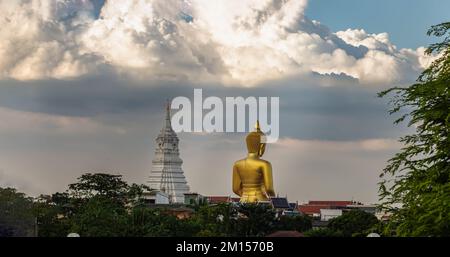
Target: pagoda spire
(166, 174)
(168, 123)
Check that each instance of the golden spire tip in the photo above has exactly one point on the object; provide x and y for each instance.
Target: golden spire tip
(257, 126)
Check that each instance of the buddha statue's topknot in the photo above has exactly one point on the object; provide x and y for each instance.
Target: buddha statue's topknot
(255, 139)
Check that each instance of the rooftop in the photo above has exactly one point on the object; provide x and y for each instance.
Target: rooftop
(285, 233)
(280, 202)
(219, 199)
(332, 203)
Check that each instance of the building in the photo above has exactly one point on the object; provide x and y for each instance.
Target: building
(332, 203)
(286, 233)
(369, 208)
(312, 208)
(328, 214)
(218, 199)
(326, 210)
(383, 215)
(180, 212)
(280, 204)
(167, 175)
(194, 198)
(222, 199)
(293, 210)
(155, 197)
(283, 207)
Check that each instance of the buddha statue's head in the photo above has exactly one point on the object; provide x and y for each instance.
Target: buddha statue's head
(256, 141)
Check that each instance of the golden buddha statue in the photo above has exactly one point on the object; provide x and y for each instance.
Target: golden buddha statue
(252, 176)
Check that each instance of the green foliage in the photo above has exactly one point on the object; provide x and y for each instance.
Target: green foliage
(96, 205)
(353, 223)
(415, 185)
(16, 218)
(254, 220)
(103, 205)
(141, 221)
(300, 223)
(107, 185)
(216, 220)
(100, 216)
(50, 217)
(323, 232)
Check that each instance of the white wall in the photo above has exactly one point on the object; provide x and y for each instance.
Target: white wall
(161, 198)
(327, 214)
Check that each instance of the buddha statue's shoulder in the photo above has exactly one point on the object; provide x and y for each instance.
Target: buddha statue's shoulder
(262, 161)
(241, 161)
(254, 161)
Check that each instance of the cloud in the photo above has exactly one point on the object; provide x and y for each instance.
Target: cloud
(231, 42)
(16, 181)
(148, 39)
(29, 122)
(366, 145)
(320, 107)
(39, 39)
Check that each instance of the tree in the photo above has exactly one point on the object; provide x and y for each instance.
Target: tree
(89, 185)
(103, 185)
(145, 221)
(301, 223)
(353, 223)
(51, 216)
(216, 220)
(323, 232)
(254, 220)
(415, 184)
(96, 205)
(16, 217)
(99, 217)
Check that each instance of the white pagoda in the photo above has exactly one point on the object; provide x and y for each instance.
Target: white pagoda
(167, 175)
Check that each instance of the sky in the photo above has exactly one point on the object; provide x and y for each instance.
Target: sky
(406, 21)
(83, 86)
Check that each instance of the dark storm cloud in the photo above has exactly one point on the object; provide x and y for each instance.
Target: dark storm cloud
(309, 108)
(86, 97)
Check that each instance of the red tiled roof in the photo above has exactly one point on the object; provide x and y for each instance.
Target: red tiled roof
(311, 209)
(331, 203)
(219, 199)
(285, 233)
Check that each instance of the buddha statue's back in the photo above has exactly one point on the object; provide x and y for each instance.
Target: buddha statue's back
(252, 176)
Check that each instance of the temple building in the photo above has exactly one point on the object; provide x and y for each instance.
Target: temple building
(167, 175)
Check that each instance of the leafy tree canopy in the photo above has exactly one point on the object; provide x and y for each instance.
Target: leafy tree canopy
(353, 223)
(16, 217)
(102, 184)
(415, 185)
